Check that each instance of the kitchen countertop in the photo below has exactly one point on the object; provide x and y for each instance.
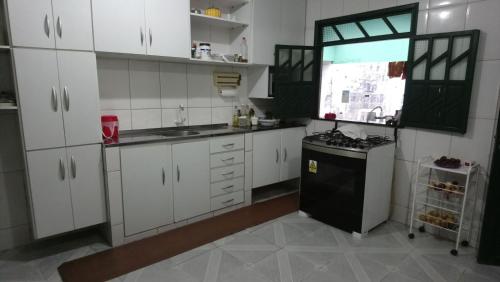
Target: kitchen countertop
(142, 136)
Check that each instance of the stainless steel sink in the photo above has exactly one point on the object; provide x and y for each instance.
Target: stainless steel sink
(178, 133)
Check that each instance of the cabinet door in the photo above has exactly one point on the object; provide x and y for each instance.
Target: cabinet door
(31, 23)
(80, 97)
(168, 36)
(50, 192)
(86, 180)
(73, 24)
(291, 151)
(147, 189)
(39, 99)
(191, 179)
(293, 22)
(119, 26)
(266, 30)
(266, 157)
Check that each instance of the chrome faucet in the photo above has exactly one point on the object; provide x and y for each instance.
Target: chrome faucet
(372, 116)
(180, 119)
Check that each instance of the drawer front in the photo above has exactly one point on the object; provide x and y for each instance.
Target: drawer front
(227, 173)
(227, 159)
(226, 187)
(227, 143)
(227, 200)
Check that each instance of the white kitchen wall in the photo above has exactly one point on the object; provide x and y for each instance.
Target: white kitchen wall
(14, 225)
(147, 94)
(437, 16)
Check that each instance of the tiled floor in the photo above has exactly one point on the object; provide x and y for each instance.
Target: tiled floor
(290, 248)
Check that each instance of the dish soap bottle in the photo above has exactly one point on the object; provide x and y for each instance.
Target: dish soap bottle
(236, 117)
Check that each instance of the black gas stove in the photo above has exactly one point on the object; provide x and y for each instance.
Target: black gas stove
(335, 139)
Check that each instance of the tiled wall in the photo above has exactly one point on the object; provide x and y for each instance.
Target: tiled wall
(438, 16)
(147, 94)
(14, 225)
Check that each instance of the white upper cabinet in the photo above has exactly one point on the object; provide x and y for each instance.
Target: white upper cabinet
(266, 157)
(39, 98)
(291, 152)
(73, 24)
(147, 189)
(85, 167)
(191, 177)
(119, 26)
(80, 97)
(168, 28)
(31, 23)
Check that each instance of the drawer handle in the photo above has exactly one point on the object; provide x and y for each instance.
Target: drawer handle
(228, 145)
(228, 173)
(228, 202)
(231, 187)
(228, 159)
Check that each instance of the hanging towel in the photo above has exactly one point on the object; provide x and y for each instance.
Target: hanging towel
(395, 69)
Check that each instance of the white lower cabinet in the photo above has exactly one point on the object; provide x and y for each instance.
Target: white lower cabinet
(191, 173)
(276, 155)
(66, 189)
(147, 187)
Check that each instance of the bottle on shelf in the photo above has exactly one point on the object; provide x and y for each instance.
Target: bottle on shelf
(236, 116)
(244, 50)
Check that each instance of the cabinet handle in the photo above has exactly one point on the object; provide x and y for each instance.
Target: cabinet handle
(277, 155)
(228, 173)
(54, 99)
(62, 169)
(285, 155)
(73, 166)
(66, 98)
(228, 159)
(142, 37)
(163, 175)
(59, 26)
(228, 202)
(47, 25)
(228, 187)
(178, 174)
(228, 145)
(150, 37)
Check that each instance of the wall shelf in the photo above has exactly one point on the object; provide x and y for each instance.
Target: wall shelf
(215, 21)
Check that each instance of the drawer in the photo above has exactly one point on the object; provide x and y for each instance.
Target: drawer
(226, 159)
(227, 173)
(227, 143)
(227, 200)
(228, 186)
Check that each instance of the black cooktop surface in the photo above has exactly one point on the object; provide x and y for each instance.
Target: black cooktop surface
(335, 139)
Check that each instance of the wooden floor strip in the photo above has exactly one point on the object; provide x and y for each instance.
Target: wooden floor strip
(124, 259)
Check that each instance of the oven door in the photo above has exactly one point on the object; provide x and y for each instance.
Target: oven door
(332, 186)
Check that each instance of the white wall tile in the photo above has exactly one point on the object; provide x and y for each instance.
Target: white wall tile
(403, 178)
(376, 130)
(13, 237)
(169, 117)
(431, 143)
(331, 9)
(476, 143)
(222, 115)
(443, 3)
(173, 85)
(199, 116)
(355, 6)
(149, 118)
(446, 19)
(381, 4)
(484, 15)
(11, 156)
(114, 87)
(124, 118)
(422, 4)
(313, 12)
(199, 86)
(486, 88)
(405, 149)
(423, 17)
(145, 85)
(13, 208)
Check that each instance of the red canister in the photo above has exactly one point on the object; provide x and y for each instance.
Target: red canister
(109, 127)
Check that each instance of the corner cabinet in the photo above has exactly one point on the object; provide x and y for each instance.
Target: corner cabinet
(147, 190)
(276, 155)
(66, 189)
(62, 24)
(439, 83)
(143, 27)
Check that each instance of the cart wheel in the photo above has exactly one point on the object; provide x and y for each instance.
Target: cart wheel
(421, 229)
(464, 243)
(411, 235)
(454, 252)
